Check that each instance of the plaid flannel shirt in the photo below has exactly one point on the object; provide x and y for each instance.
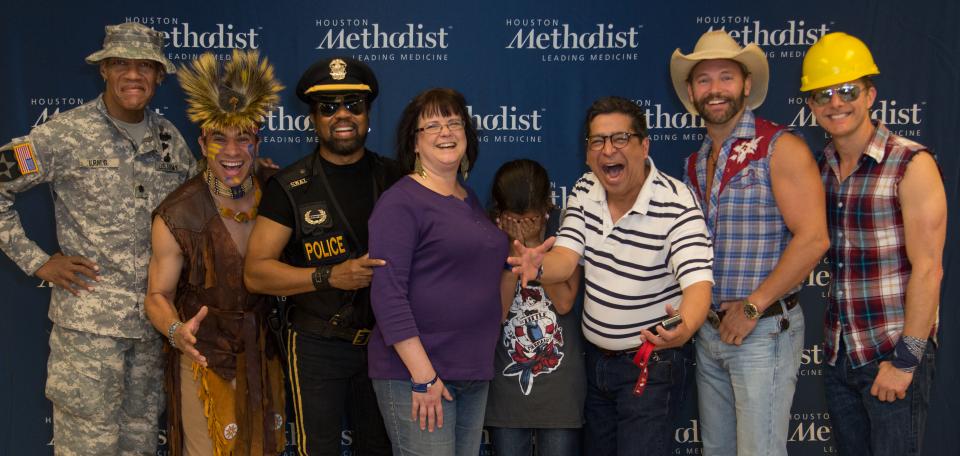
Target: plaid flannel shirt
(868, 250)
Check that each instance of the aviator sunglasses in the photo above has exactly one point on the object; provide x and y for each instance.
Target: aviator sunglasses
(847, 93)
(356, 105)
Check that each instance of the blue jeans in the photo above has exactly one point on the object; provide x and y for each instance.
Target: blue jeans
(745, 391)
(462, 419)
(550, 442)
(621, 423)
(863, 425)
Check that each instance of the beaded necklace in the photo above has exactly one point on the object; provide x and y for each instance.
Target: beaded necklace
(219, 188)
(226, 212)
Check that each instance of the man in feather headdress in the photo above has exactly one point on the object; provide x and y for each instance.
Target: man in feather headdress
(108, 163)
(224, 378)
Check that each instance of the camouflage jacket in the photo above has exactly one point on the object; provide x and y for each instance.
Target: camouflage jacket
(104, 188)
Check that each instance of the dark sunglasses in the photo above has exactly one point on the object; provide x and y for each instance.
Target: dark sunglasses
(847, 93)
(355, 105)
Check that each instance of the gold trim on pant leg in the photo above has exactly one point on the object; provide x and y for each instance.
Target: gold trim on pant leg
(301, 437)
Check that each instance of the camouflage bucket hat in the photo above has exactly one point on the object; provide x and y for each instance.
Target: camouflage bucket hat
(131, 40)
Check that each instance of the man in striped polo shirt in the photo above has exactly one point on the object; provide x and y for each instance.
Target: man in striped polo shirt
(646, 254)
(760, 191)
(887, 215)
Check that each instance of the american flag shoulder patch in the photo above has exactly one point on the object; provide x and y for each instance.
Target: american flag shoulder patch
(17, 159)
(26, 158)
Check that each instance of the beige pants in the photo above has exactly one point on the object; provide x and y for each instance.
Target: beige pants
(196, 438)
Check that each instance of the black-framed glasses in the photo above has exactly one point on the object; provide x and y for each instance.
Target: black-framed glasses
(847, 93)
(356, 105)
(618, 140)
(434, 128)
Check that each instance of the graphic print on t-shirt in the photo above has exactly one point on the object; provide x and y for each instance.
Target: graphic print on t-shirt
(532, 336)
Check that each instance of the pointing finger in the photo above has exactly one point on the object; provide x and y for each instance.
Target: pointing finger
(370, 262)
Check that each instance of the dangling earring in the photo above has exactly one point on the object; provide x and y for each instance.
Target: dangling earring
(418, 168)
(464, 166)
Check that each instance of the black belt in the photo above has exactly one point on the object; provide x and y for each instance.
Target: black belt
(789, 302)
(330, 328)
(628, 352)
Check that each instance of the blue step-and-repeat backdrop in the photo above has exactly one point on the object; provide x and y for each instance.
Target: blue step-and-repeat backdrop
(529, 70)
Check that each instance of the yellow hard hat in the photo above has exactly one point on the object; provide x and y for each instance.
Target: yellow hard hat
(834, 59)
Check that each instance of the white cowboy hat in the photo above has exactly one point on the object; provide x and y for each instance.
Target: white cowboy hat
(717, 44)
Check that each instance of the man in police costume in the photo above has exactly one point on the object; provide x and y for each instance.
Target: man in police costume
(309, 244)
(109, 163)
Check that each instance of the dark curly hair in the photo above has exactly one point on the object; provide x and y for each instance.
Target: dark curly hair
(436, 101)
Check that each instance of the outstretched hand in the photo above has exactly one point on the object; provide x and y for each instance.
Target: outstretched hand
(185, 337)
(529, 259)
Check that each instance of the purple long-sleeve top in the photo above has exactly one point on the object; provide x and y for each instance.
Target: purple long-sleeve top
(441, 282)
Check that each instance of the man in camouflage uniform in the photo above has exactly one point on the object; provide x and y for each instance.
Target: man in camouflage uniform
(109, 163)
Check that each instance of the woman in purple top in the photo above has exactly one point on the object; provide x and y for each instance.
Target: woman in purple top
(437, 299)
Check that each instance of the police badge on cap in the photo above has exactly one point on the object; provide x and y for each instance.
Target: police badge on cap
(337, 76)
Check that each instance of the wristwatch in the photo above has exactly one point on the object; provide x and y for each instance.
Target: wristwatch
(321, 277)
(751, 310)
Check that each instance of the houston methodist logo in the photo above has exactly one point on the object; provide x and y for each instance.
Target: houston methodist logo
(811, 360)
(50, 106)
(287, 126)
(811, 427)
(180, 34)
(665, 124)
(403, 40)
(796, 34)
(559, 41)
(901, 118)
(185, 40)
(508, 124)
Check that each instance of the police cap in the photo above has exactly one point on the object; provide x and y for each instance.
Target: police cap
(337, 76)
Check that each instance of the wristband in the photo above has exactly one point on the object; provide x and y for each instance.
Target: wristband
(539, 273)
(173, 330)
(321, 277)
(423, 387)
(907, 353)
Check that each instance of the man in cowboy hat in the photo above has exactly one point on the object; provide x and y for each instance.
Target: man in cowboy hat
(108, 162)
(763, 201)
(309, 244)
(887, 215)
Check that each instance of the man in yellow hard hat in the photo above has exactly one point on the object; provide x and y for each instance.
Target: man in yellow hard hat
(763, 201)
(886, 214)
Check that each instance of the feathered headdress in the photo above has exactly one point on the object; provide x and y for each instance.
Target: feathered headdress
(239, 96)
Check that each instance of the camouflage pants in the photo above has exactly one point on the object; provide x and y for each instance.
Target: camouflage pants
(107, 393)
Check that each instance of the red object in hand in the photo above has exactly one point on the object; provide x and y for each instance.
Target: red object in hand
(642, 359)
